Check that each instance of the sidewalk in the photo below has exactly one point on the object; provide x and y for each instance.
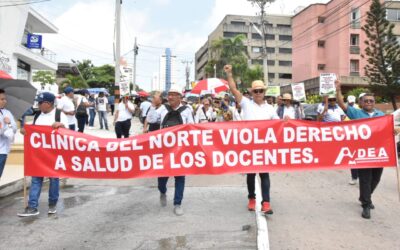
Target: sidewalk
(12, 179)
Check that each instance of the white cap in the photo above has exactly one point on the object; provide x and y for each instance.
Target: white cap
(361, 95)
(175, 89)
(351, 99)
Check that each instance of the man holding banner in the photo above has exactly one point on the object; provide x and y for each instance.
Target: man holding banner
(369, 177)
(173, 114)
(256, 109)
(48, 116)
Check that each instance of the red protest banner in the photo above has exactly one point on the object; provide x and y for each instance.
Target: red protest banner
(212, 148)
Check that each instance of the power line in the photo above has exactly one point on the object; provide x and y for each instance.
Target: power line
(335, 31)
(25, 3)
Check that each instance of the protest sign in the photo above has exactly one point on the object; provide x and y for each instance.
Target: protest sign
(212, 148)
(327, 84)
(273, 91)
(299, 92)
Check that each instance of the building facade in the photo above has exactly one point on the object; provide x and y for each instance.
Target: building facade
(17, 24)
(167, 73)
(279, 44)
(328, 39)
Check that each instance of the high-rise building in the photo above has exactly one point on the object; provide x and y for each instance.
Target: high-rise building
(279, 44)
(167, 74)
(327, 38)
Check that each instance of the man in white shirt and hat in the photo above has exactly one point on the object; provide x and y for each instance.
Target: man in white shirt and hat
(174, 113)
(256, 109)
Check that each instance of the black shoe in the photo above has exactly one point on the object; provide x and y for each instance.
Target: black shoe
(366, 213)
(371, 206)
(29, 212)
(52, 209)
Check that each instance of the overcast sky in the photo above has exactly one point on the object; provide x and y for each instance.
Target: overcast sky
(86, 28)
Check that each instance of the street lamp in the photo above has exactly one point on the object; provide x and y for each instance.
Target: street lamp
(261, 4)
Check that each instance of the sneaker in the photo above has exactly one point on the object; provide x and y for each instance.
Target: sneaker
(52, 209)
(366, 213)
(266, 208)
(178, 210)
(353, 182)
(29, 212)
(251, 206)
(163, 200)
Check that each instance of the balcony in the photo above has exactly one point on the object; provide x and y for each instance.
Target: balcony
(41, 59)
(354, 73)
(354, 49)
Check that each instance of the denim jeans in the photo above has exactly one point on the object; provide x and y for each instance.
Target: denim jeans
(179, 187)
(103, 117)
(3, 158)
(81, 123)
(36, 188)
(71, 127)
(92, 115)
(265, 186)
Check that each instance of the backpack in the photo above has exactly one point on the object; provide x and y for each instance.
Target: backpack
(57, 116)
(81, 109)
(173, 117)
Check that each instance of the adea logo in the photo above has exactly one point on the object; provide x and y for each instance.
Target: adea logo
(361, 155)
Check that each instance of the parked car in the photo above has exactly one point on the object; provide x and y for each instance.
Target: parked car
(310, 111)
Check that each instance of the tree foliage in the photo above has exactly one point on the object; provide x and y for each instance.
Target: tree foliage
(76, 82)
(382, 53)
(44, 77)
(228, 51)
(252, 74)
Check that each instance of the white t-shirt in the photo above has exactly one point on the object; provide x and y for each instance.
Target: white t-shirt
(50, 118)
(332, 115)
(67, 105)
(144, 107)
(209, 115)
(289, 111)
(253, 111)
(102, 103)
(123, 112)
(154, 115)
(186, 115)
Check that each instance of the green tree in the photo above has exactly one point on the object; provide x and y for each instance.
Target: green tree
(77, 82)
(357, 91)
(86, 69)
(382, 53)
(103, 77)
(228, 51)
(312, 99)
(44, 77)
(251, 74)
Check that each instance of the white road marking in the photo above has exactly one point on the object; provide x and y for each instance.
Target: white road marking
(262, 227)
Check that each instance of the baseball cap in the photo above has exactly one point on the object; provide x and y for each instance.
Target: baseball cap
(351, 99)
(46, 97)
(68, 90)
(361, 95)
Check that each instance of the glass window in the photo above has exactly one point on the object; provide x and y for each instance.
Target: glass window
(270, 37)
(256, 36)
(283, 26)
(238, 23)
(354, 39)
(393, 14)
(354, 66)
(285, 76)
(271, 75)
(257, 61)
(285, 63)
(270, 50)
(285, 50)
(233, 34)
(271, 63)
(355, 18)
(256, 49)
(285, 38)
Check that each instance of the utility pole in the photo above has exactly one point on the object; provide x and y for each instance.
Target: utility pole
(261, 4)
(117, 40)
(187, 71)
(135, 53)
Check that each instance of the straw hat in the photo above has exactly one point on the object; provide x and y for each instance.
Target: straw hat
(258, 84)
(286, 96)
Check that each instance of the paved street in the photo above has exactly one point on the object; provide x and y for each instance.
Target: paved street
(312, 210)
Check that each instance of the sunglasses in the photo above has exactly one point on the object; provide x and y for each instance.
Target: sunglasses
(369, 101)
(258, 91)
(331, 99)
